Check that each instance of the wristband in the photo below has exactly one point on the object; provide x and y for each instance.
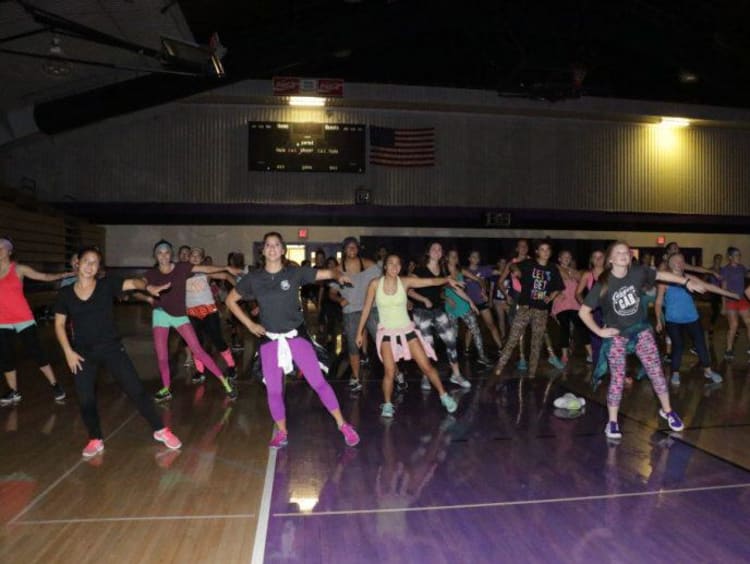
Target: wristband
(685, 283)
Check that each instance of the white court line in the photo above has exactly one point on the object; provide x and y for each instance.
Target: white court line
(512, 503)
(154, 518)
(54, 484)
(261, 531)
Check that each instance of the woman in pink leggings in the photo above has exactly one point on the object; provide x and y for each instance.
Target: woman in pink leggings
(626, 329)
(284, 339)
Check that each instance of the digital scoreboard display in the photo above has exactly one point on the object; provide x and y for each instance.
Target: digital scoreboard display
(306, 147)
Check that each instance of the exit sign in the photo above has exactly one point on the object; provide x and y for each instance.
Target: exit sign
(660, 240)
(302, 233)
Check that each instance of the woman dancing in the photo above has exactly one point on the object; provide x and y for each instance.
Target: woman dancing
(16, 319)
(88, 304)
(284, 338)
(618, 292)
(170, 312)
(397, 336)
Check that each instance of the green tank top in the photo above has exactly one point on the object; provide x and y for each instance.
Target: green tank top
(392, 309)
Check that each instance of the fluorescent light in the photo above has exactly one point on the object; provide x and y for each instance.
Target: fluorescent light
(307, 101)
(674, 122)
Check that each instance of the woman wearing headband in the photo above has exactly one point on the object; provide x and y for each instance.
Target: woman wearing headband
(16, 319)
(170, 312)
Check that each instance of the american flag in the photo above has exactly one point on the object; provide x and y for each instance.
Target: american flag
(402, 147)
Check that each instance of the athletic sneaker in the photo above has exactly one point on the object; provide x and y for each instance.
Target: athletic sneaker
(729, 355)
(564, 359)
(198, 378)
(57, 392)
(163, 395)
(94, 447)
(589, 360)
(169, 439)
(449, 403)
(674, 421)
(11, 398)
(715, 377)
(351, 438)
(612, 430)
(355, 385)
(675, 379)
(426, 386)
(279, 439)
(401, 384)
(667, 359)
(556, 362)
(692, 351)
(459, 380)
(522, 364)
(231, 390)
(569, 401)
(364, 360)
(387, 410)
(485, 361)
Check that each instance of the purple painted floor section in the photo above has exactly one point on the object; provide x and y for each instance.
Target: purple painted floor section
(505, 480)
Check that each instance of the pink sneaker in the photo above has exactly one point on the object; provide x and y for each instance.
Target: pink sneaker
(166, 436)
(279, 439)
(94, 447)
(351, 438)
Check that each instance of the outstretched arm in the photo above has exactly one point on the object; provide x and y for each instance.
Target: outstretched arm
(25, 271)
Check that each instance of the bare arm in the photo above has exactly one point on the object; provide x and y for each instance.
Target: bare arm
(588, 319)
(232, 302)
(206, 269)
(226, 276)
(369, 299)
(72, 358)
(140, 284)
(25, 271)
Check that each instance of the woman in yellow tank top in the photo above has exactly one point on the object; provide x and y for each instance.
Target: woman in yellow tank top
(397, 337)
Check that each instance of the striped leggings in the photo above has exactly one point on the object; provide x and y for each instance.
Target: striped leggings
(646, 350)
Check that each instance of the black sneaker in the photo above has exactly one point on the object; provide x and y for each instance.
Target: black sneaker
(198, 378)
(11, 398)
(667, 359)
(401, 384)
(364, 360)
(58, 392)
(729, 355)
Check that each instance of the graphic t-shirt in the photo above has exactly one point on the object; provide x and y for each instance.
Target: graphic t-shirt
(621, 303)
(278, 295)
(537, 282)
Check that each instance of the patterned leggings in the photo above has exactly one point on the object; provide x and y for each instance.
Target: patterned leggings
(524, 316)
(646, 350)
(470, 319)
(437, 320)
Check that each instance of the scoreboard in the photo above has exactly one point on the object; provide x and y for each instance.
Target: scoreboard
(306, 147)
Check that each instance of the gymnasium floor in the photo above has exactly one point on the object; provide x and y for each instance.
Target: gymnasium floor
(503, 480)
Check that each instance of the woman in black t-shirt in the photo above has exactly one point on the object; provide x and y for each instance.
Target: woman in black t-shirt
(430, 315)
(540, 285)
(88, 304)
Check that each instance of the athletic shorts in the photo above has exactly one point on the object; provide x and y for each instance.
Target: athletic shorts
(160, 318)
(738, 305)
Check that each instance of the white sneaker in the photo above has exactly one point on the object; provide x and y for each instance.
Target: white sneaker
(460, 381)
(569, 401)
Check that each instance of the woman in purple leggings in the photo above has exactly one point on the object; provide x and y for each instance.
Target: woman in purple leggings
(284, 339)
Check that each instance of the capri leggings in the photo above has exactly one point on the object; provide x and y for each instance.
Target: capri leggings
(525, 315)
(305, 358)
(437, 320)
(29, 338)
(470, 319)
(647, 351)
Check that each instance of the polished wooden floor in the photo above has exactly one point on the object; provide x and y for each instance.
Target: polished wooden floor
(502, 480)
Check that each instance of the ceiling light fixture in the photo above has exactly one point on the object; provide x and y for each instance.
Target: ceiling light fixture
(674, 122)
(309, 101)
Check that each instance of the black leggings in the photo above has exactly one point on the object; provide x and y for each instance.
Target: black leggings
(565, 319)
(30, 340)
(210, 326)
(118, 364)
(695, 330)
